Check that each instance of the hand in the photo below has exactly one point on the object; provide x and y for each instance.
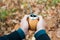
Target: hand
(24, 24)
(40, 24)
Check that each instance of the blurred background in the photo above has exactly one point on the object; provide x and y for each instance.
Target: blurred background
(12, 11)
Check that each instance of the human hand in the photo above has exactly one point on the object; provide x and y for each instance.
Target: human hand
(41, 24)
(24, 24)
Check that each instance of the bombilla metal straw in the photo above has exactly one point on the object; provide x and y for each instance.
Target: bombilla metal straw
(31, 12)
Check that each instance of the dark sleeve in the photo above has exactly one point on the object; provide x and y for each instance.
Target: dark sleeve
(17, 35)
(42, 35)
(3, 38)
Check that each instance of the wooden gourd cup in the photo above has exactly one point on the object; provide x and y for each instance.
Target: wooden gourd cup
(33, 20)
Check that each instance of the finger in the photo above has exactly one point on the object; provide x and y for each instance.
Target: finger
(40, 17)
(25, 17)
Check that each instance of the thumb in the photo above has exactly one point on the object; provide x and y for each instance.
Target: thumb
(25, 17)
(40, 18)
